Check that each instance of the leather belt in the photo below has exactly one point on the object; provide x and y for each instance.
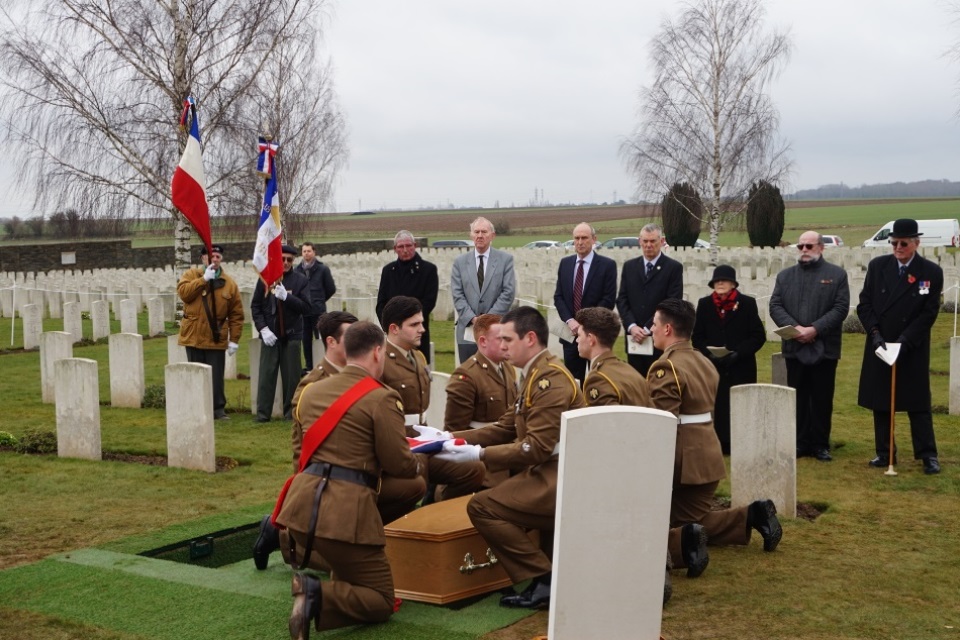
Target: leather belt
(476, 424)
(333, 472)
(694, 418)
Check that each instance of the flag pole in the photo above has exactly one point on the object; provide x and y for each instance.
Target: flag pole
(893, 404)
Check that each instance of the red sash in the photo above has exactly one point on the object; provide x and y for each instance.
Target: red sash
(322, 428)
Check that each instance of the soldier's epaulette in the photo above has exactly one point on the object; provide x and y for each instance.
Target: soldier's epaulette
(544, 383)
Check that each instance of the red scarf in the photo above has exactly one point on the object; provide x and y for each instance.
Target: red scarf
(725, 305)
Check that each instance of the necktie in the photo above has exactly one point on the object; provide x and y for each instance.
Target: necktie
(412, 359)
(903, 270)
(578, 287)
(649, 269)
(480, 272)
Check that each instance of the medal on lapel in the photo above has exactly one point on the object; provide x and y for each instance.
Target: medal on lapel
(924, 287)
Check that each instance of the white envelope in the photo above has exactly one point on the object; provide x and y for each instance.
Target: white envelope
(787, 333)
(644, 348)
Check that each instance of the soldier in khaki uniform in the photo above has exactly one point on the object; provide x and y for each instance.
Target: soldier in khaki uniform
(609, 380)
(524, 442)
(342, 522)
(684, 382)
(485, 386)
(407, 373)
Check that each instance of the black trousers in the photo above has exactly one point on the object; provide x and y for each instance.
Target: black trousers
(466, 350)
(576, 365)
(310, 332)
(216, 359)
(814, 384)
(921, 431)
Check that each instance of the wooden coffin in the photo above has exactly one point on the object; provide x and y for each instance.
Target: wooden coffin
(428, 553)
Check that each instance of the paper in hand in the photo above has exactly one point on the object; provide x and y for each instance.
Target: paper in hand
(787, 333)
(719, 352)
(560, 329)
(468, 335)
(890, 354)
(644, 348)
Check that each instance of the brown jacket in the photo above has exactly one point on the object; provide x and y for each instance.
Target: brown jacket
(524, 439)
(369, 438)
(195, 327)
(477, 393)
(411, 382)
(684, 383)
(321, 372)
(611, 381)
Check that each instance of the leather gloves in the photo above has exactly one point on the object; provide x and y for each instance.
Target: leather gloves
(459, 452)
(269, 337)
(232, 348)
(280, 291)
(209, 273)
(877, 340)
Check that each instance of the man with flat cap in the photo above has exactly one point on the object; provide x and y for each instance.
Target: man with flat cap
(212, 320)
(278, 316)
(899, 302)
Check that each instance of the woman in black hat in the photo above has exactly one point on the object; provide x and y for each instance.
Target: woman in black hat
(728, 319)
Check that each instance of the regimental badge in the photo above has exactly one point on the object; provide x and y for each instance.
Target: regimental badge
(660, 373)
(594, 393)
(392, 355)
(525, 447)
(544, 384)
(400, 406)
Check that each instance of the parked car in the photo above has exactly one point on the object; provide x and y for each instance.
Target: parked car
(568, 245)
(543, 244)
(630, 242)
(453, 243)
(832, 241)
(936, 233)
(701, 244)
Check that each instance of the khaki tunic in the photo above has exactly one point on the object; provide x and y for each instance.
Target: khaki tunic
(611, 381)
(195, 327)
(684, 382)
(411, 381)
(321, 372)
(478, 393)
(524, 441)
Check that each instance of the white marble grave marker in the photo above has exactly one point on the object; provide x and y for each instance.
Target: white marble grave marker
(126, 370)
(100, 314)
(72, 321)
(78, 409)
(54, 345)
(190, 435)
(32, 325)
(128, 316)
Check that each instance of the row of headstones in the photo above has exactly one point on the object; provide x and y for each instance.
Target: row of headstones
(100, 317)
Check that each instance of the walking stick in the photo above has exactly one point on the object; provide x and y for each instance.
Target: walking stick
(893, 403)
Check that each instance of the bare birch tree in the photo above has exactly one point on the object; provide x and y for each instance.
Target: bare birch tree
(707, 120)
(94, 89)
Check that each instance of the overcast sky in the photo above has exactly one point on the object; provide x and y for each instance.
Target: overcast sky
(479, 103)
(475, 103)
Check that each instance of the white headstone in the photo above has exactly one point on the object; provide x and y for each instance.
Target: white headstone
(78, 408)
(175, 353)
(32, 326)
(190, 438)
(72, 321)
(128, 316)
(100, 314)
(126, 370)
(6, 302)
(155, 324)
(230, 367)
(954, 407)
(438, 399)
(55, 303)
(54, 345)
(603, 521)
(763, 446)
(778, 369)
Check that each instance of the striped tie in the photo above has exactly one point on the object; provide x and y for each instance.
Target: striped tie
(578, 287)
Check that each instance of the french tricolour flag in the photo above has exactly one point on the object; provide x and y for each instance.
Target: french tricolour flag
(189, 185)
(267, 255)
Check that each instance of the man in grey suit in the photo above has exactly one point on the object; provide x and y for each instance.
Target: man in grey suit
(482, 281)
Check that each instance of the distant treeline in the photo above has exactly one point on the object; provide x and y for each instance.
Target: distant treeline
(921, 189)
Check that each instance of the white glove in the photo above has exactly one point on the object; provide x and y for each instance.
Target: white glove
(232, 348)
(280, 291)
(210, 273)
(269, 337)
(458, 452)
(431, 433)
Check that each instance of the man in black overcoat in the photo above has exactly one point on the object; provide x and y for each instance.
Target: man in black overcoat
(410, 275)
(899, 303)
(644, 283)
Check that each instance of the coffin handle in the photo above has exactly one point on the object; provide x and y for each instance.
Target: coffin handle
(468, 566)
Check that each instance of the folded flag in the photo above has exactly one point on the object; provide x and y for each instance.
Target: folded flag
(418, 445)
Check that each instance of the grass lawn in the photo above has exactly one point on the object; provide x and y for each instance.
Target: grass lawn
(880, 562)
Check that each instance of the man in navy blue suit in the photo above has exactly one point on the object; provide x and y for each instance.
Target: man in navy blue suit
(584, 280)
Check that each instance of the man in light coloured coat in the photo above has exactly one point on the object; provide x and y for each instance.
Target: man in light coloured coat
(481, 281)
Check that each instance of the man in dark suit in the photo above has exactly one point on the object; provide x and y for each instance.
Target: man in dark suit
(644, 283)
(481, 281)
(899, 302)
(410, 275)
(584, 280)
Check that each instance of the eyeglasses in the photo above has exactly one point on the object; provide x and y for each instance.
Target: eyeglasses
(809, 247)
(900, 243)
(288, 259)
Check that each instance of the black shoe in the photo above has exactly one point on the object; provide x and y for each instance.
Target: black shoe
(823, 455)
(667, 580)
(693, 546)
(931, 466)
(262, 420)
(538, 598)
(221, 416)
(306, 605)
(762, 516)
(881, 462)
(514, 599)
(267, 542)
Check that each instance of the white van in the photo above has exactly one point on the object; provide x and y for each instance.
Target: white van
(936, 233)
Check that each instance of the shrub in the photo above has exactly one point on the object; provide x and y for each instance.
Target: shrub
(852, 324)
(502, 226)
(155, 397)
(37, 442)
(765, 215)
(681, 212)
(7, 439)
